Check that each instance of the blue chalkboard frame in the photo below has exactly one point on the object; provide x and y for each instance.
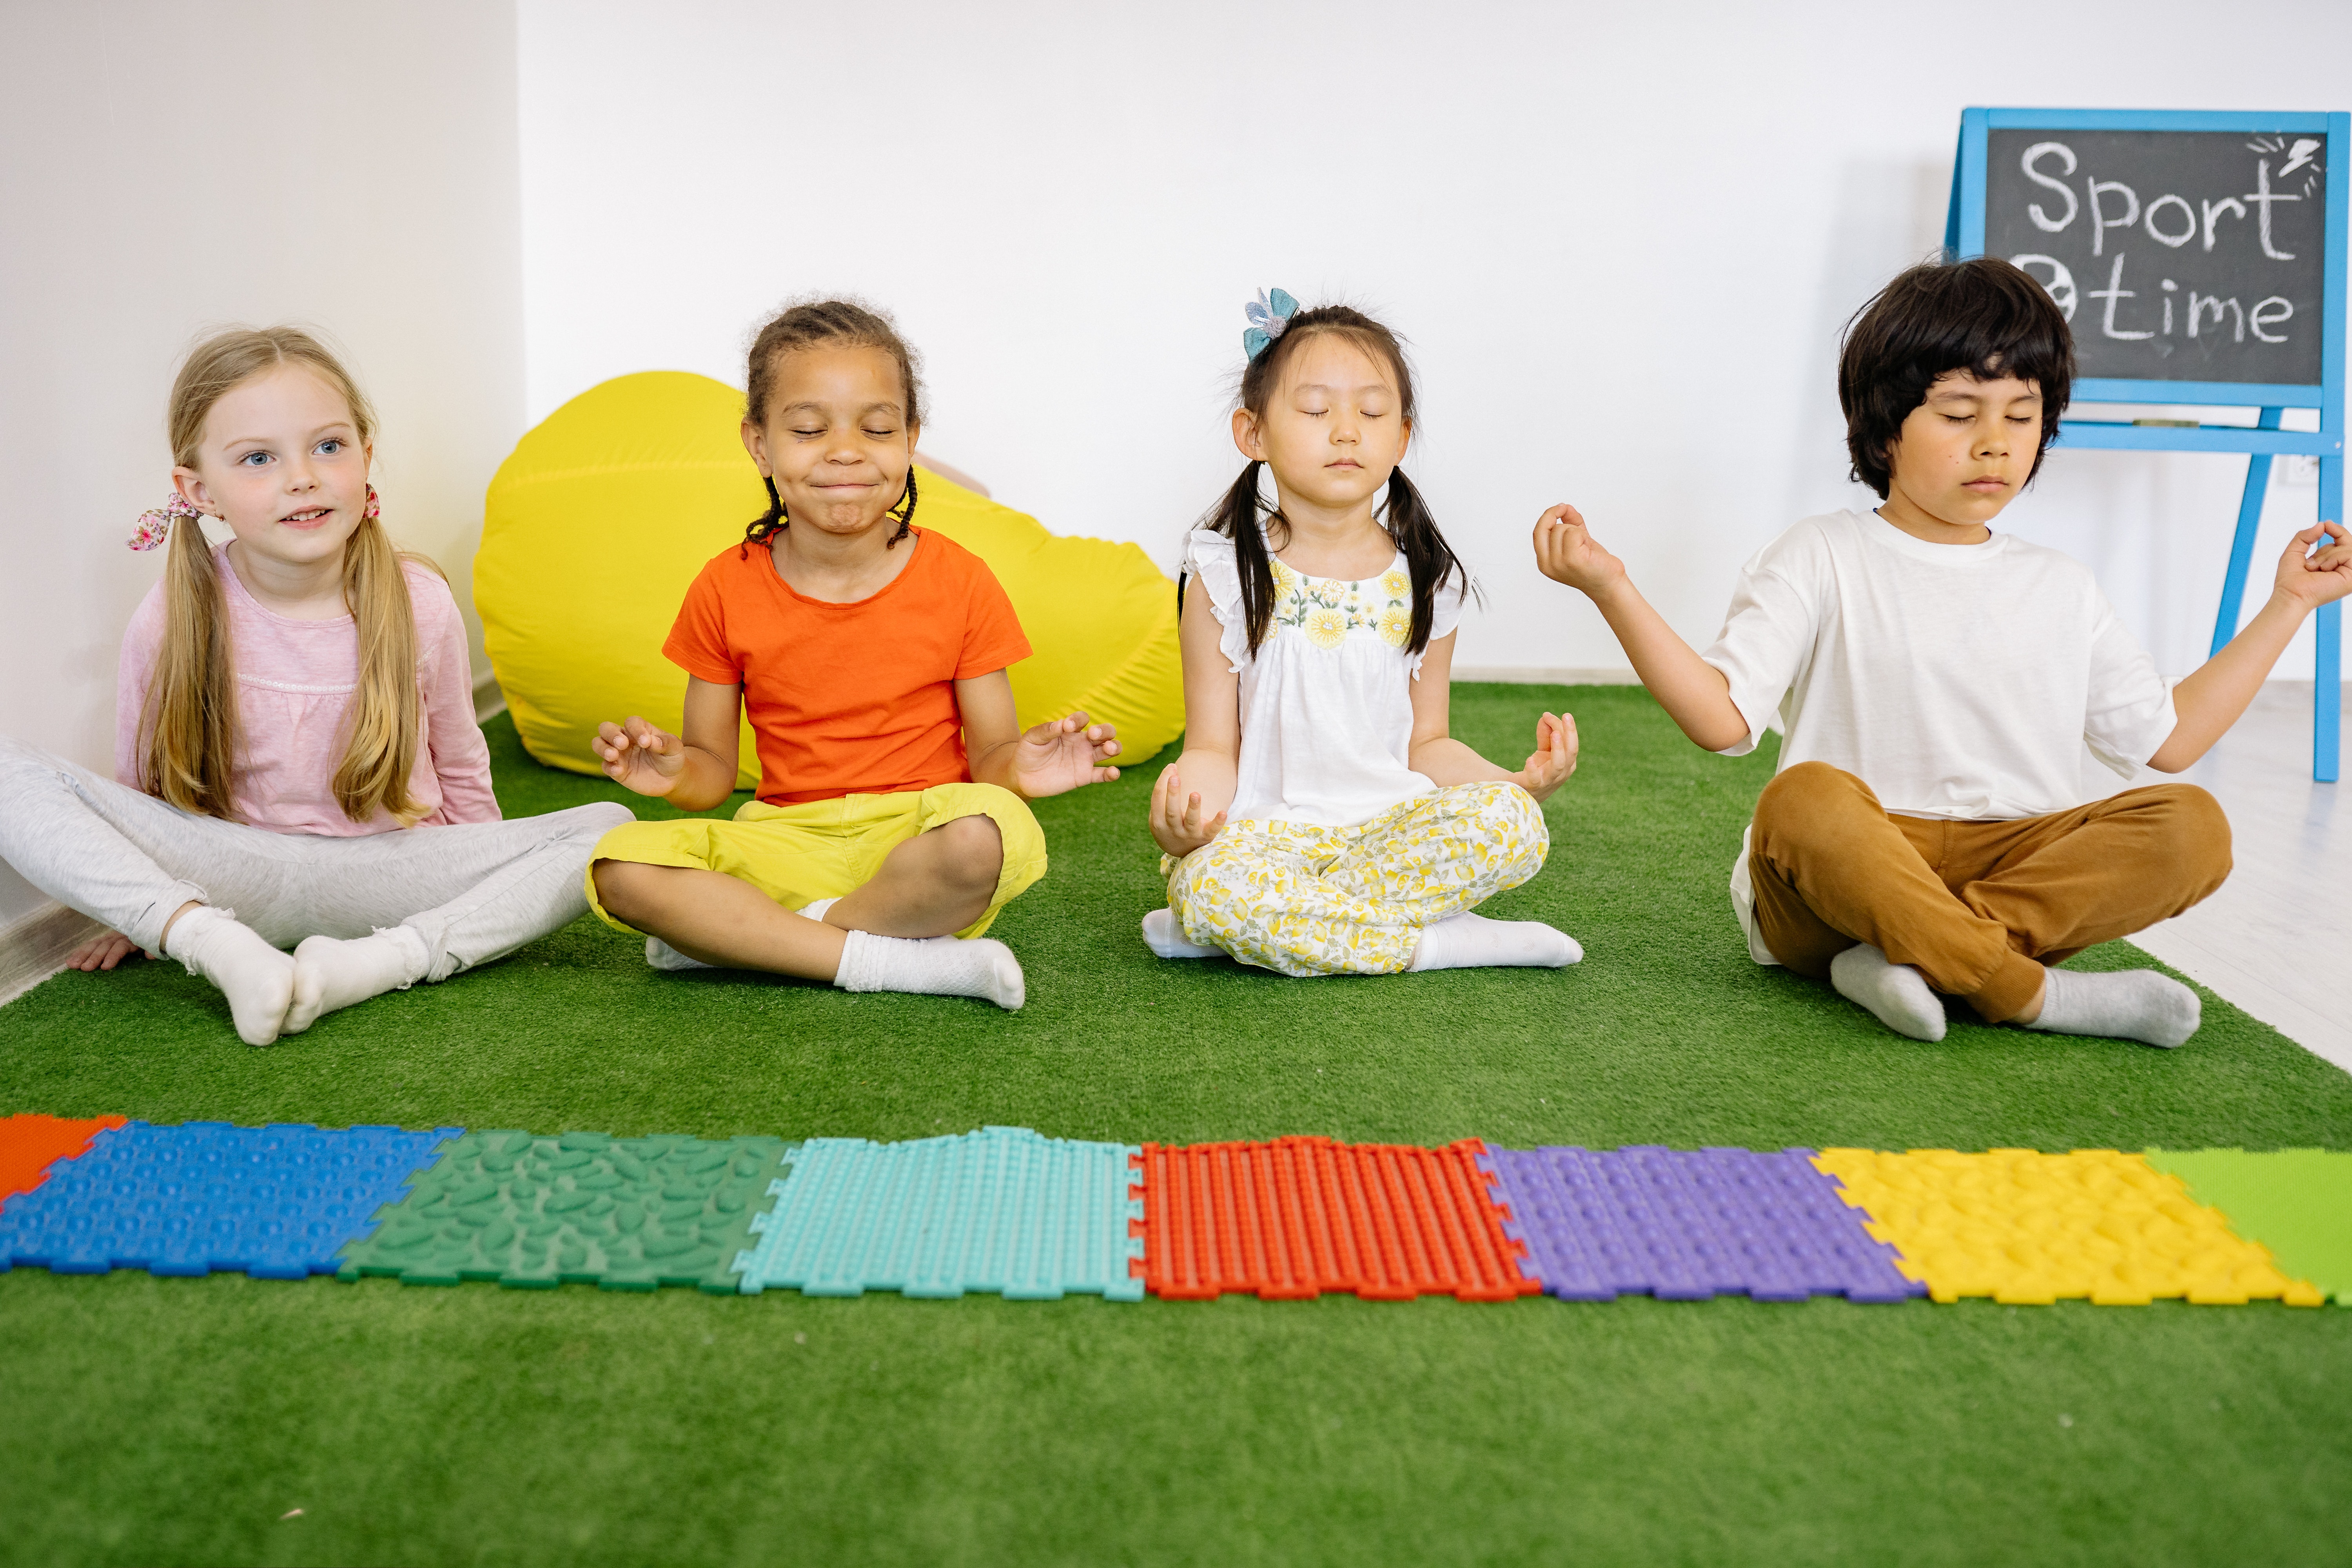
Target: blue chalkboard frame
(1964, 236)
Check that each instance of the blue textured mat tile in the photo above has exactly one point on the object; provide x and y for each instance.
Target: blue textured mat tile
(1687, 1226)
(1002, 1210)
(273, 1202)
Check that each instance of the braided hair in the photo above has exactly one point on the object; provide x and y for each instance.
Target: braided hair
(848, 324)
(1243, 516)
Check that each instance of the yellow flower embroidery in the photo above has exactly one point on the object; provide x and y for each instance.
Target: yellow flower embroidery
(1327, 627)
(1395, 583)
(1396, 626)
(1285, 579)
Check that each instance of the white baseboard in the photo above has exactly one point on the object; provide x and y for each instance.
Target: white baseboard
(488, 700)
(1537, 675)
(35, 946)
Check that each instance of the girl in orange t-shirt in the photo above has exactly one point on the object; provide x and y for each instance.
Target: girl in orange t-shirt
(892, 821)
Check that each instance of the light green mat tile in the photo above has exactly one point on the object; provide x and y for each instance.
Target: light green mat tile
(2296, 1202)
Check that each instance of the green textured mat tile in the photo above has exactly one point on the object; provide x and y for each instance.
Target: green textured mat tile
(531, 1212)
(2296, 1202)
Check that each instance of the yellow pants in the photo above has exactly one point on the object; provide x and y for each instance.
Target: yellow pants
(1302, 900)
(824, 848)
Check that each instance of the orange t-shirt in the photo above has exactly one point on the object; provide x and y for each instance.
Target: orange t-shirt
(856, 699)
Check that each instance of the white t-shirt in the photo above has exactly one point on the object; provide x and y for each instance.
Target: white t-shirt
(1957, 680)
(1327, 699)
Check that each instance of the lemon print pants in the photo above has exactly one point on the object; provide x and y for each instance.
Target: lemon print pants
(1302, 900)
(824, 848)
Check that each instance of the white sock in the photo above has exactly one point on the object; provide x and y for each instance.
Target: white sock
(1163, 934)
(1469, 940)
(661, 955)
(1897, 994)
(935, 966)
(258, 979)
(2129, 1004)
(330, 975)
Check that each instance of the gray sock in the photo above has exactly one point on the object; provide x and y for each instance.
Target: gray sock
(1897, 994)
(2129, 1004)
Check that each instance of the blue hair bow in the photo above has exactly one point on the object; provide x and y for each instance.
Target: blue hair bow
(1269, 315)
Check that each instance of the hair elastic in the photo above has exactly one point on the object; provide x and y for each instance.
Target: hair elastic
(1269, 315)
(154, 527)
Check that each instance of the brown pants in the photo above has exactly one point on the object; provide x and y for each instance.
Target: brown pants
(1977, 907)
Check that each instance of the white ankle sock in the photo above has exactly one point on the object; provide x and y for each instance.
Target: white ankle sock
(1163, 934)
(330, 975)
(2128, 1005)
(1897, 994)
(1469, 940)
(661, 955)
(935, 966)
(258, 979)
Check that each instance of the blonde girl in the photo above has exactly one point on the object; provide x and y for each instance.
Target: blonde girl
(1321, 820)
(295, 759)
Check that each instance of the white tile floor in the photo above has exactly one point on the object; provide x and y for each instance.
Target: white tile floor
(2277, 939)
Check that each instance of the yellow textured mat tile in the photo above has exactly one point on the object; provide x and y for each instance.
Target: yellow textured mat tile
(2030, 1228)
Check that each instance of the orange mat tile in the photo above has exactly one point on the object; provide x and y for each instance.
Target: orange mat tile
(30, 1145)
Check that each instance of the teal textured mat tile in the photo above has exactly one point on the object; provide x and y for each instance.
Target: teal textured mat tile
(1002, 1210)
(531, 1211)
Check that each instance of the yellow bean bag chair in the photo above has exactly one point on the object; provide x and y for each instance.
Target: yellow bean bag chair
(603, 514)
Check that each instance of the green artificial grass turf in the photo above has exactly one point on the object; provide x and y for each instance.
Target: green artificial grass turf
(176, 1420)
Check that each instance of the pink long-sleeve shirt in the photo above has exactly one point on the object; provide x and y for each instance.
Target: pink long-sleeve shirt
(294, 680)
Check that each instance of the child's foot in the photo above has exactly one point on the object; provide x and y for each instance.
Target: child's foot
(2130, 1004)
(330, 975)
(935, 966)
(1469, 940)
(1897, 994)
(258, 979)
(1165, 934)
(661, 955)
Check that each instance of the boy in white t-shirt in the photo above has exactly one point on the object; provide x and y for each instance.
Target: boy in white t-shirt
(1926, 831)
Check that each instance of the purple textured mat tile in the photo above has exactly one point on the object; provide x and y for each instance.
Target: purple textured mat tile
(1682, 1226)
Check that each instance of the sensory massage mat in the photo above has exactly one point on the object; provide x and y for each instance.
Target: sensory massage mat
(1009, 1212)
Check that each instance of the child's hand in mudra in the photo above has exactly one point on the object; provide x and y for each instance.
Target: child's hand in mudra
(1554, 758)
(1061, 754)
(1566, 553)
(637, 755)
(2321, 576)
(1176, 825)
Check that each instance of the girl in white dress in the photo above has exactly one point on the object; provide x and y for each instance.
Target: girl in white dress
(1320, 820)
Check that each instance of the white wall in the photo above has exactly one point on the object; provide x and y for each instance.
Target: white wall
(168, 167)
(1623, 241)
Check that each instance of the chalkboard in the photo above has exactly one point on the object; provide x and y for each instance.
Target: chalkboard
(2177, 255)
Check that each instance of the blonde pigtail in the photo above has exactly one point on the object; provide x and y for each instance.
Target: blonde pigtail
(188, 723)
(384, 716)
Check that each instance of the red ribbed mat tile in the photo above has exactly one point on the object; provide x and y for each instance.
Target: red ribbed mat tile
(1299, 1217)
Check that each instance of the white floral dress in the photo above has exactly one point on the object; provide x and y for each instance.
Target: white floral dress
(1336, 853)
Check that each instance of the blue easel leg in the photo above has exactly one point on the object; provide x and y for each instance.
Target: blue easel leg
(2327, 652)
(2241, 548)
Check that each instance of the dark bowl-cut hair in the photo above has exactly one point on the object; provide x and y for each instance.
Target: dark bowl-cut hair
(1983, 316)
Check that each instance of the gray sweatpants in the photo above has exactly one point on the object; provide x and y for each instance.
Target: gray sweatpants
(475, 892)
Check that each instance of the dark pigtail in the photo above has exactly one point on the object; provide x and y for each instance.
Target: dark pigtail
(1237, 517)
(1426, 554)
